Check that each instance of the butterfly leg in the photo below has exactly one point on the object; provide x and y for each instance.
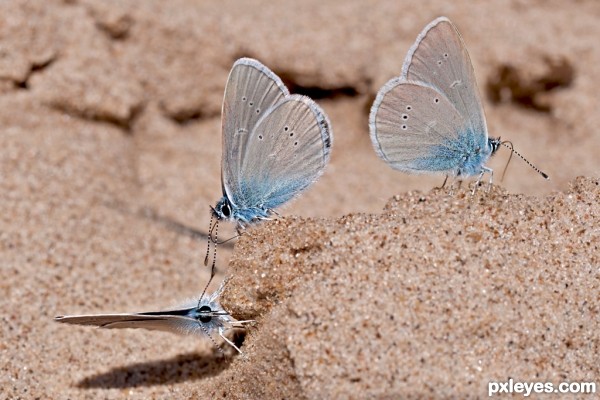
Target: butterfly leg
(241, 227)
(491, 172)
(240, 324)
(478, 181)
(267, 216)
(483, 171)
(443, 184)
(455, 182)
(221, 331)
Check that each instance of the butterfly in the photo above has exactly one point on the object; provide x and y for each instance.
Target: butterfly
(202, 317)
(430, 119)
(275, 145)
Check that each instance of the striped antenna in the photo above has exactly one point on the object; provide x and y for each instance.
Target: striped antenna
(213, 265)
(513, 151)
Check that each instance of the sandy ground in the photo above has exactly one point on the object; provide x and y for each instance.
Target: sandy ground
(380, 288)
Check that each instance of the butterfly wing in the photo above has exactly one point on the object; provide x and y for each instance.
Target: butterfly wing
(439, 59)
(415, 129)
(158, 322)
(252, 89)
(286, 152)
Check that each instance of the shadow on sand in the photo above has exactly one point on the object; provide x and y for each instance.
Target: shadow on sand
(186, 367)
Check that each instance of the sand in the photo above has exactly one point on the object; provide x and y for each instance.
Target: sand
(372, 284)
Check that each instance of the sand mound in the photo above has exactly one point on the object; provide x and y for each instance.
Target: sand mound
(110, 148)
(436, 296)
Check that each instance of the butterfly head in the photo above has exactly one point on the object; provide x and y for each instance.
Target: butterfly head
(223, 209)
(204, 314)
(210, 312)
(494, 144)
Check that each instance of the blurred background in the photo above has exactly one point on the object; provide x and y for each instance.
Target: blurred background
(110, 148)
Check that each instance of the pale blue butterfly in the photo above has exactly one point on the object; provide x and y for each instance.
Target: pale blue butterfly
(204, 317)
(275, 145)
(430, 119)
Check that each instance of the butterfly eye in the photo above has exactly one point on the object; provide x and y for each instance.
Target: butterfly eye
(225, 210)
(260, 137)
(204, 314)
(291, 134)
(286, 128)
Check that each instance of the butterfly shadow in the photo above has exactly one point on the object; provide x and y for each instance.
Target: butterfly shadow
(185, 367)
(150, 214)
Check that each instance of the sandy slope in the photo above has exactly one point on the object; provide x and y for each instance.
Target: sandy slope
(110, 157)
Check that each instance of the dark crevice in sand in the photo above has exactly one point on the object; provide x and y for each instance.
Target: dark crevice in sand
(115, 29)
(35, 67)
(126, 124)
(113, 23)
(187, 367)
(189, 116)
(239, 337)
(314, 91)
(510, 83)
(292, 81)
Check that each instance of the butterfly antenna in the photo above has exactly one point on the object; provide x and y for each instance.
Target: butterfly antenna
(443, 184)
(230, 239)
(229, 341)
(211, 338)
(213, 266)
(209, 239)
(512, 150)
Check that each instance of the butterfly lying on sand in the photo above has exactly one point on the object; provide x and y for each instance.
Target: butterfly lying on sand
(202, 317)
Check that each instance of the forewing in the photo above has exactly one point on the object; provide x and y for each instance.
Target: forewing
(414, 128)
(167, 323)
(286, 152)
(440, 59)
(251, 90)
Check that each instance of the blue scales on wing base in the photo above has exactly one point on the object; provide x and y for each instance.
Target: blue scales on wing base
(464, 155)
(251, 204)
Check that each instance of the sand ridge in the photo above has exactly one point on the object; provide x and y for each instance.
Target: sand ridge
(110, 157)
(434, 297)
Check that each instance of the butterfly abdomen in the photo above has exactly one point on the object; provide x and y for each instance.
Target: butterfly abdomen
(463, 155)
